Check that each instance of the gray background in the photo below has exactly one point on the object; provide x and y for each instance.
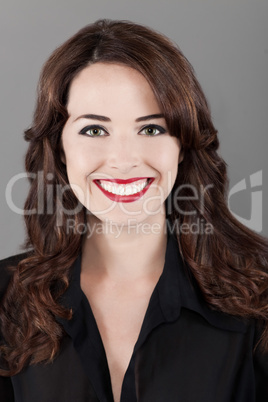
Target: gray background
(226, 41)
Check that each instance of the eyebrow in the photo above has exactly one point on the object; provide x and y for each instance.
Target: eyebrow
(104, 118)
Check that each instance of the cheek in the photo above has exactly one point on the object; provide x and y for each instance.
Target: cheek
(168, 160)
(80, 162)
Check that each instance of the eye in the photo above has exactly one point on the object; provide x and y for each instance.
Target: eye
(94, 131)
(152, 130)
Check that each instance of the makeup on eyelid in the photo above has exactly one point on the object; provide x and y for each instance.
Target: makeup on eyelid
(154, 127)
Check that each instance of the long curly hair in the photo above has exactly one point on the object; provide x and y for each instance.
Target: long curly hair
(229, 265)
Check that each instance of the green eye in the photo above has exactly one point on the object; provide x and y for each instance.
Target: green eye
(93, 131)
(153, 130)
(150, 131)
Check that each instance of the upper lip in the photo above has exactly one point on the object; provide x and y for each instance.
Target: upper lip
(124, 181)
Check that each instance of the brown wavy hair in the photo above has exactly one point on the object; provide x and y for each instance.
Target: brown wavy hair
(230, 265)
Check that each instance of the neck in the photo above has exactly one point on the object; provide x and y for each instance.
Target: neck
(122, 252)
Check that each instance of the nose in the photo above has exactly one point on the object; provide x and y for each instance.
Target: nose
(124, 154)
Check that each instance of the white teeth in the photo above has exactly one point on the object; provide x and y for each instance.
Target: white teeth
(121, 189)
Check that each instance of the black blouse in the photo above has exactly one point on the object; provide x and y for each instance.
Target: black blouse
(185, 351)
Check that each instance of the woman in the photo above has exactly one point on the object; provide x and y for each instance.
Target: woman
(138, 283)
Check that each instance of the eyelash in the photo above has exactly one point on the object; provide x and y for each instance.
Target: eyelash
(161, 130)
(93, 127)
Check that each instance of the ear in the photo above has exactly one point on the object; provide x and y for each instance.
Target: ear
(62, 156)
(62, 153)
(181, 155)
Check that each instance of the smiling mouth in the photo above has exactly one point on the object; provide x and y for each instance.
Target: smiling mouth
(124, 190)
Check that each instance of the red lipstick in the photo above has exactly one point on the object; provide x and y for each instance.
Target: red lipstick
(124, 198)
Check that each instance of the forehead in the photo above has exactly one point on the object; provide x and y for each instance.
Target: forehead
(103, 84)
(104, 73)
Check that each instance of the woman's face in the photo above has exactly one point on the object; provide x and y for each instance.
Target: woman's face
(121, 161)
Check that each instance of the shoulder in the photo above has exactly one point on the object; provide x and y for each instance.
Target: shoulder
(5, 272)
